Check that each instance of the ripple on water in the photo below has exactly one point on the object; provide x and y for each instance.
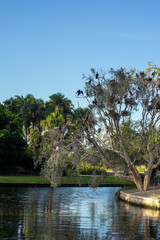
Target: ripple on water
(73, 213)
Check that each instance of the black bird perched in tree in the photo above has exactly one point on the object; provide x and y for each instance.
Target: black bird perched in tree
(79, 92)
(142, 74)
(89, 82)
(153, 74)
(149, 79)
(94, 101)
(97, 75)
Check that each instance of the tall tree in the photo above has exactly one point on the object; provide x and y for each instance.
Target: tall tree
(61, 103)
(60, 144)
(33, 111)
(114, 98)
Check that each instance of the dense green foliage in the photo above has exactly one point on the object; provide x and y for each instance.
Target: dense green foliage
(12, 143)
(33, 120)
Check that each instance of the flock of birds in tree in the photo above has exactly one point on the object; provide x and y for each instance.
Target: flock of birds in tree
(129, 101)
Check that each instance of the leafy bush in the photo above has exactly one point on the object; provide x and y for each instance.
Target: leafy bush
(88, 169)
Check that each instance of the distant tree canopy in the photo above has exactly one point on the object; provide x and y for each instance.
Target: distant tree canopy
(38, 117)
(29, 109)
(32, 110)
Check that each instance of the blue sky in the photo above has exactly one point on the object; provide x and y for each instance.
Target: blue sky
(46, 45)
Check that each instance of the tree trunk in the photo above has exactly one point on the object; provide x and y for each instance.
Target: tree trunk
(136, 177)
(138, 182)
(147, 177)
(139, 185)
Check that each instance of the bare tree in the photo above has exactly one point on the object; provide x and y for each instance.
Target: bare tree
(115, 99)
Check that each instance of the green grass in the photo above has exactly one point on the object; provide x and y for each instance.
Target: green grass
(65, 180)
(87, 180)
(22, 179)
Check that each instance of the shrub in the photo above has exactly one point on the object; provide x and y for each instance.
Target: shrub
(88, 169)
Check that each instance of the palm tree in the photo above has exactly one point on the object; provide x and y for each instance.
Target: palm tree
(15, 105)
(60, 102)
(33, 112)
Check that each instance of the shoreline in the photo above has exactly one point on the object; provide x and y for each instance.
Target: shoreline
(61, 185)
(148, 199)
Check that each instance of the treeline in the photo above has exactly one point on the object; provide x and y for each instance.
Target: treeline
(56, 136)
(23, 121)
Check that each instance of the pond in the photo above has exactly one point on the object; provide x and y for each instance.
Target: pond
(72, 214)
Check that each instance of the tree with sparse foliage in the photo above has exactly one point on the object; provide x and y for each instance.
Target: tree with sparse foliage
(115, 98)
(62, 144)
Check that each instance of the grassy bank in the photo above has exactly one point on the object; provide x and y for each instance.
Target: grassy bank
(88, 179)
(64, 180)
(22, 179)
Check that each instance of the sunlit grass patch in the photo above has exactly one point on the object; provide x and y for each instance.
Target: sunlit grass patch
(141, 168)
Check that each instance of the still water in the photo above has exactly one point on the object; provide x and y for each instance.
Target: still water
(73, 213)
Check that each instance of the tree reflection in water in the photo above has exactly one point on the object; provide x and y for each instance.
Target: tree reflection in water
(73, 213)
(139, 223)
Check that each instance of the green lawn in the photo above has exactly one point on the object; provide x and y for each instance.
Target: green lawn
(65, 180)
(87, 179)
(22, 179)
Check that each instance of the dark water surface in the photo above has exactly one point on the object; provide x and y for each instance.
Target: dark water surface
(73, 213)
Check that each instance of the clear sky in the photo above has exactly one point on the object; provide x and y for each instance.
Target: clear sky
(46, 45)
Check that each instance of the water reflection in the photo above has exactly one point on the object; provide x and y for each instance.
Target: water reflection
(73, 213)
(141, 220)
